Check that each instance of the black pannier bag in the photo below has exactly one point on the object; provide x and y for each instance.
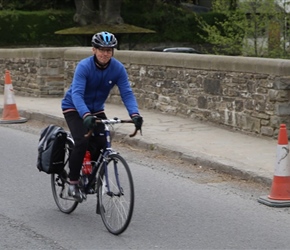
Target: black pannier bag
(51, 149)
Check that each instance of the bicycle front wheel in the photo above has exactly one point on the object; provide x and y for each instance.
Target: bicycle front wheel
(115, 194)
(60, 184)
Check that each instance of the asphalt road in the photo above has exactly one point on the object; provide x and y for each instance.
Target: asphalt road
(178, 206)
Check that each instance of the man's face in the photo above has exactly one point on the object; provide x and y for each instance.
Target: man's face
(103, 54)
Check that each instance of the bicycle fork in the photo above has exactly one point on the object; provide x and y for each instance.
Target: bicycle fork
(106, 186)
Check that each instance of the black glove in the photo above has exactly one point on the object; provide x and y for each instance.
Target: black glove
(90, 121)
(138, 121)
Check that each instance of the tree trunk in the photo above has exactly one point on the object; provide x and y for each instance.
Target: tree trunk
(110, 12)
(85, 12)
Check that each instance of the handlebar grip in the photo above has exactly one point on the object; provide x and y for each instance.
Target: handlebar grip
(134, 133)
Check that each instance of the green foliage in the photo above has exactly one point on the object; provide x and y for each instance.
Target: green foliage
(170, 23)
(34, 28)
(223, 6)
(224, 30)
(261, 15)
(249, 28)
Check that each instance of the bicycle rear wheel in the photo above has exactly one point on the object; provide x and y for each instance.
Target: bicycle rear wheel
(60, 184)
(116, 194)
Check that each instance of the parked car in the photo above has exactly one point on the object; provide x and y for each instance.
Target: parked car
(177, 50)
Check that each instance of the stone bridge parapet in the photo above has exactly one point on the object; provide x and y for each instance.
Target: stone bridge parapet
(246, 94)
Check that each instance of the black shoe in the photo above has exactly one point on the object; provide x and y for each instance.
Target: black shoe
(75, 192)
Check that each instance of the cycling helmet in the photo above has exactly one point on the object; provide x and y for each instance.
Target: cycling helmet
(104, 39)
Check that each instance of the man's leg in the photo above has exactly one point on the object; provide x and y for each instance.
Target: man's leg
(78, 130)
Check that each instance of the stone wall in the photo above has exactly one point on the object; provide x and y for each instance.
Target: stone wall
(34, 72)
(247, 94)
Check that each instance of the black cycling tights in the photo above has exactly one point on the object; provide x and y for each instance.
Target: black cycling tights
(95, 143)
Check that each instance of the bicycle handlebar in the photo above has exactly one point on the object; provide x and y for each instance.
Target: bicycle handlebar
(112, 121)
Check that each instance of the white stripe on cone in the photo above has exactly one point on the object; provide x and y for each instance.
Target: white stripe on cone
(9, 97)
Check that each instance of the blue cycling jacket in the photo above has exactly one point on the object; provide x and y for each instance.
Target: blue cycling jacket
(91, 86)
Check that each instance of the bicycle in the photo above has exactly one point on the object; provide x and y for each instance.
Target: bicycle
(111, 180)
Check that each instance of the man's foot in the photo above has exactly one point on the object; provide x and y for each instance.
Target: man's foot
(75, 192)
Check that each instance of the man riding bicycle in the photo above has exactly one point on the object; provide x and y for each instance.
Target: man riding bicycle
(93, 79)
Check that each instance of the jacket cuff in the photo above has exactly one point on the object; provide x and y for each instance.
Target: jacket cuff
(85, 115)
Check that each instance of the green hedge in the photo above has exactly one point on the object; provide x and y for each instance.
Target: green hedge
(19, 28)
(36, 28)
(171, 23)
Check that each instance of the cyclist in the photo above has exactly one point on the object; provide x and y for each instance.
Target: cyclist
(93, 79)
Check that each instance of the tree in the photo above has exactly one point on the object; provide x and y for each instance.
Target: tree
(85, 12)
(262, 30)
(250, 28)
(227, 32)
(108, 11)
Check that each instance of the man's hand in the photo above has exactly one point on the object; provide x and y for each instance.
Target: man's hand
(89, 121)
(138, 121)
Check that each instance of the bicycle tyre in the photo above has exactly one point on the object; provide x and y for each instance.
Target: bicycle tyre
(59, 185)
(116, 208)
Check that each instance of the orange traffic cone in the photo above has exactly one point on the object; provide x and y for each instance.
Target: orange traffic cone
(10, 112)
(280, 191)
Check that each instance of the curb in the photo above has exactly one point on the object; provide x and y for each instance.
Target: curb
(196, 159)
